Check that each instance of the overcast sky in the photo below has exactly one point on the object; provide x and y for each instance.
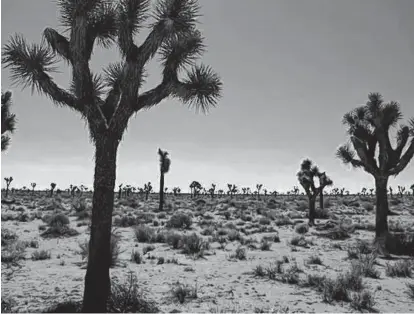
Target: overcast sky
(290, 69)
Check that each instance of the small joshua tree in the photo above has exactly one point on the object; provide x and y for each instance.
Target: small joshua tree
(8, 120)
(390, 189)
(165, 164)
(220, 192)
(371, 192)
(52, 188)
(368, 127)
(33, 185)
(295, 190)
(147, 190)
(258, 188)
(364, 191)
(412, 189)
(232, 189)
(212, 190)
(324, 181)
(306, 177)
(401, 190)
(8, 181)
(120, 191)
(176, 191)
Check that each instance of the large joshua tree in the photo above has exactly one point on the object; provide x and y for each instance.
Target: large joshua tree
(108, 101)
(306, 177)
(368, 128)
(165, 164)
(8, 120)
(324, 181)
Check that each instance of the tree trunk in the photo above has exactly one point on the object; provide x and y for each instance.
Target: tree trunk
(161, 191)
(97, 280)
(381, 223)
(7, 191)
(312, 212)
(321, 200)
(51, 192)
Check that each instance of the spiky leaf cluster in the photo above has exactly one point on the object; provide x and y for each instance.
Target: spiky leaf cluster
(8, 120)
(165, 162)
(368, 127)
(306, 176)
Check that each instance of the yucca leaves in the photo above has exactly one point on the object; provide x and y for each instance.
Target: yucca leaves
(8, 120)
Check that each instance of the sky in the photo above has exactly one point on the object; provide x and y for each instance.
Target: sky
(290, 69)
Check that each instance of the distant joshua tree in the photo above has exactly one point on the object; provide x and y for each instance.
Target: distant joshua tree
(165, 164)
(176, 191)
(371, 192)
(324, 181)
(147, 190)
(232, 189)
(120, 191)
(390, 189)
(52, 188)
(274, 193)
(195, 188)
(8, 181)
(33, 185)
(364, 191)
(212, 190)
(401, 190)
(368, 127)
(306, 177)
(295, 190)
(220, 192)
(258, 188)
(412, 189)
(8, 120)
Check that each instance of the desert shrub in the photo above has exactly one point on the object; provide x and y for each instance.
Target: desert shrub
(144, 233)
(83, 215)
(301, 206)
(57, 220)
(410, 290)
(400, 243)
(125, 221)
(148, 248)
(264, 221)
(315, 259)
(65, 307)
(265, 245)
(234, 235)
(321, 213)
(399, 269)
(193, 244)
(180, 220)
(316, 281)
(126, 297)
(40, 255)
(181, 292)
(7, 305)
(283, 221)
(368, 206)
(302, 228)
(59, 231)
(240, 254)
(208, 231)
(7, 236)
(14, 252)
(174, 240)
(259, 271)
(227, 215)
(136, 257)
(327, 203)
(363, 300)
(299, 241)
(79, 205)
(366, 266)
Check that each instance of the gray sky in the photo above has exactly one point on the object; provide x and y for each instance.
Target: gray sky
(290, 69)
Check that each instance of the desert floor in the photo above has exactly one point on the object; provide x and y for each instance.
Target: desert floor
(274, 275)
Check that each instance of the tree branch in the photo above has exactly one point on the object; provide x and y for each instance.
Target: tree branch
(405, 159)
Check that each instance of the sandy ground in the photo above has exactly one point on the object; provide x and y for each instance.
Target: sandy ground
(224, 284)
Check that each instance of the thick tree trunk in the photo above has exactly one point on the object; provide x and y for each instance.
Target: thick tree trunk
(381, 223)
(312, 211)
(161, 192)
(321, 200)
(7, 191)
(97, 280)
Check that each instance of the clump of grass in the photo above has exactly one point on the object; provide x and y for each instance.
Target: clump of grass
(7, 236)
(125, 221)
(144, 234)
(180, 220)
(136, 257)
(7, 305)
(300, 241)
(265, 245)
(58, 226)
(175, 240)
(410, 290)
(264, 221)
(302, 228)
(363, 300)
(126, 297)
(366, 265)
(399, 269)
(234, 235)
(259, 271)
(13, 253)
(193, 244)
(41, 255)
(181, 292)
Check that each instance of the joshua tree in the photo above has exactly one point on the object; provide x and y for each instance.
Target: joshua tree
(274, 193)
(371, 192)
(232, 189)
(258, 187)
(8, 120)
(220, 192)
(195, 188)
(412, 189)
(265, 192)
(52, 188)
(248, 191)
(295, 190)
(165, 164)
(120, 191)
(147, 190)
(8, 181)
(306, 177)
(33, 185)
(212, 190)
(324, 181)
(390, 188)
(364, 191)
(176, 191)
(401, 190)
(107, 103)
(368, 127)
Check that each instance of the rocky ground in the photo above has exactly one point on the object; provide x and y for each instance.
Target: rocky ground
(211, 255)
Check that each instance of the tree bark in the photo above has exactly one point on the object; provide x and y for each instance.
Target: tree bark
(321, 200)
(97, 279)
(312, 212)
(381, 223)
(161, 191)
